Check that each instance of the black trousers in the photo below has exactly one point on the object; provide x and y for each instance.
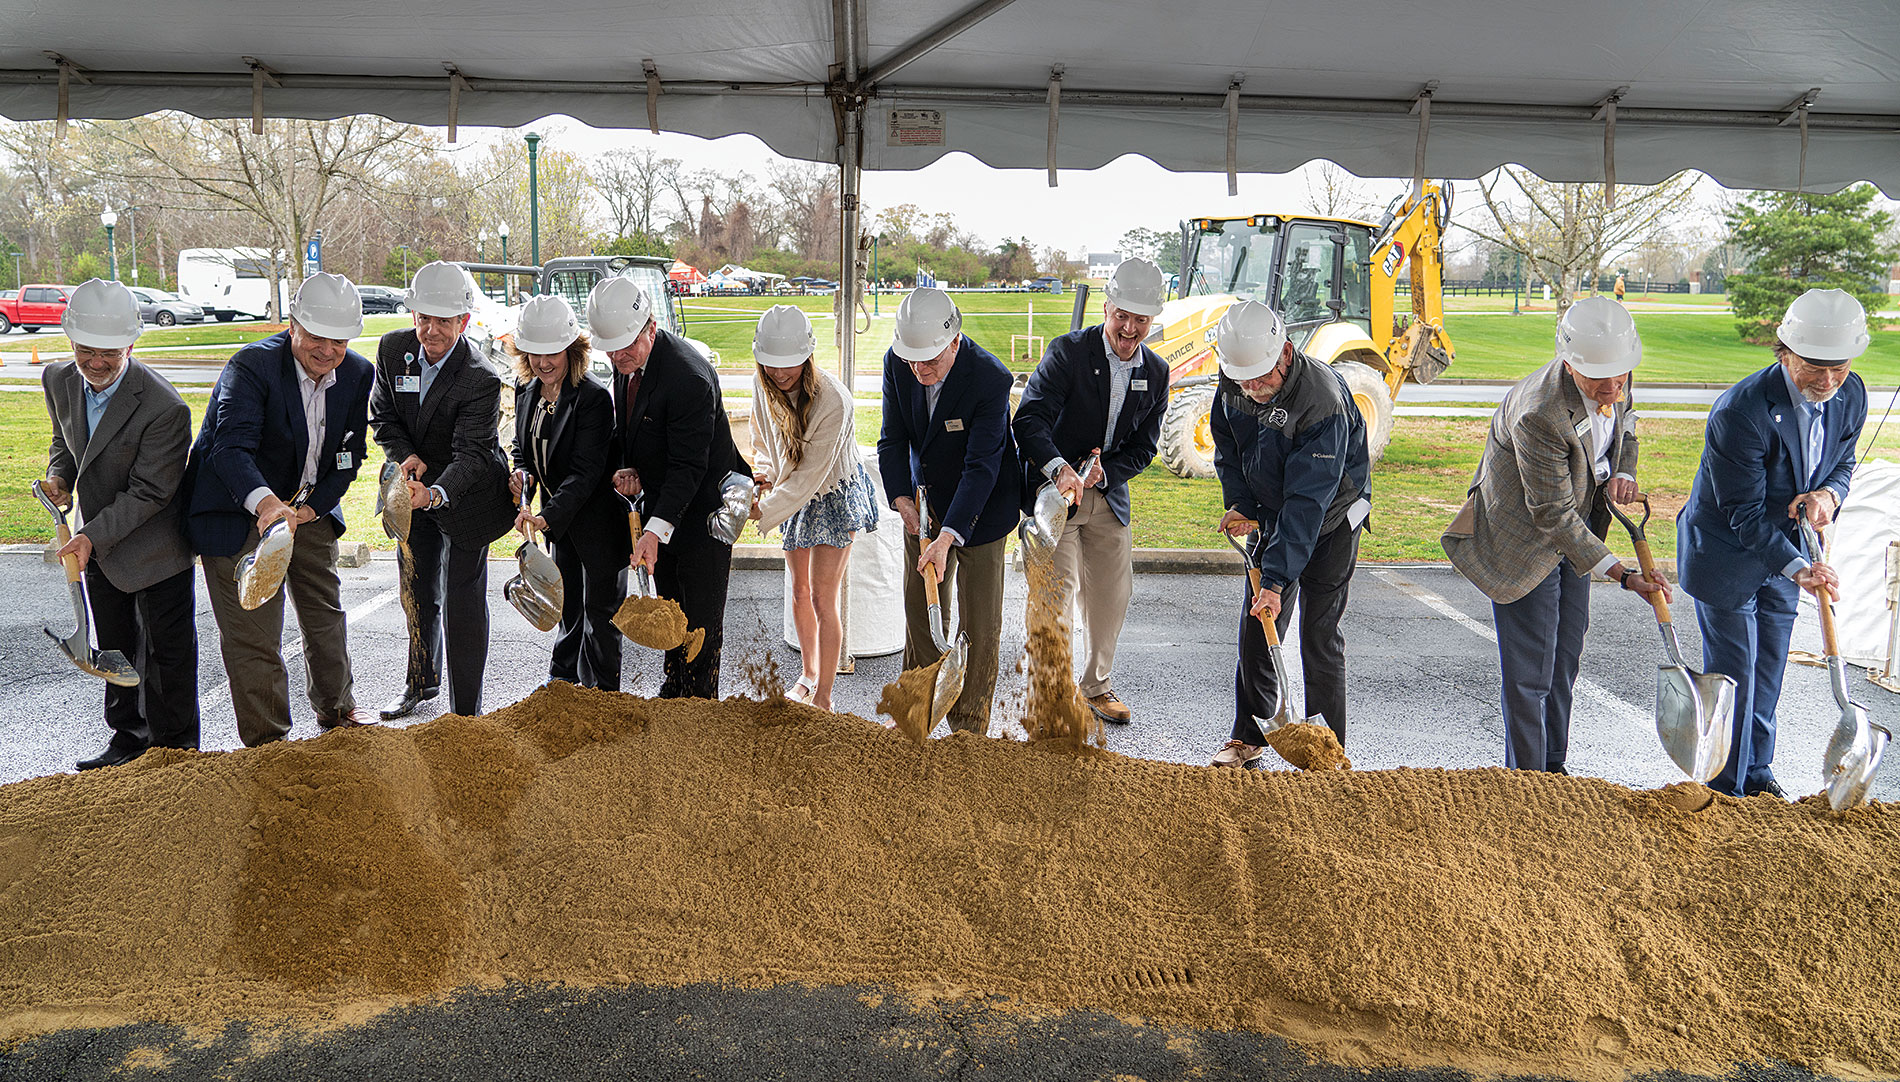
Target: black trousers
(693, 569)
(451, 594)
(1321, 593)
(587, 644)
(156, 628)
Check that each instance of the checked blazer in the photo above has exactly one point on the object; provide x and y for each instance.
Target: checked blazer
(454, 430)
(1535, 500)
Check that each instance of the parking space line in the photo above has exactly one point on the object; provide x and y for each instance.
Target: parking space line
(222, 693)
(1598, 696)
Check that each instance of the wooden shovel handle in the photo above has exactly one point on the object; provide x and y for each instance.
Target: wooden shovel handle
(1266, 623)
(1828, 647)
(633, 525)
(930, 585)
(64, 537)
(1648, 563)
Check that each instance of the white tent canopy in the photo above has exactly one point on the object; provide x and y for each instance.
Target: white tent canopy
(1715, 87)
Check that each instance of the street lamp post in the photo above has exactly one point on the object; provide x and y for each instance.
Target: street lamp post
(109, 220)
(404, 248)
(534, 202)
(481, 254)
(16, 269)
(503, 230)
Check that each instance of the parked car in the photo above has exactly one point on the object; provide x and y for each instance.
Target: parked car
(36, 306)
(382, 300)
(165, 309)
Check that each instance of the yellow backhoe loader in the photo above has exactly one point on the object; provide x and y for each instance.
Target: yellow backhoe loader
(1334, 281)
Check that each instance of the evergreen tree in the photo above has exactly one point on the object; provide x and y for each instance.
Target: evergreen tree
(1797, 241)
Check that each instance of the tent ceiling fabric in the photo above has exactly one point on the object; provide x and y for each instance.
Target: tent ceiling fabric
(1710, 82)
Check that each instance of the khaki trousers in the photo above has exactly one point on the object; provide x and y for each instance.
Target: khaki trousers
(252, 642)
(1095, 568)
(974, 578)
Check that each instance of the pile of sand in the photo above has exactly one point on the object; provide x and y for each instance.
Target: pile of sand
(1486, 919)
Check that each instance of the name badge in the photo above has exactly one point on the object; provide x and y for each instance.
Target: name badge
(1583, 428)
(409, 384)
(954, 424)
(1137, 384)
(343, 460)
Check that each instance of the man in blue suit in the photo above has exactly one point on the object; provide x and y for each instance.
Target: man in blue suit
(1780, 443)
(286, 412)
(1099, 390)
(946, 426)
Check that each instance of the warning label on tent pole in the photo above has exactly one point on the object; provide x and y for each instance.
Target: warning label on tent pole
(916, 128)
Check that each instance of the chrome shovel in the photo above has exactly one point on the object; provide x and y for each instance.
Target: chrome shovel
(736, 492)
(261, 574)
(108, 665)
(956, 655)
(1695, 712)
(1282, 703)
(1854, 751)
(392, 501)
(536, 590)
(1051, 509)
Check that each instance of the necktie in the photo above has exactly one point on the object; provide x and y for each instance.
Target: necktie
(630, 395)
(1817, 438)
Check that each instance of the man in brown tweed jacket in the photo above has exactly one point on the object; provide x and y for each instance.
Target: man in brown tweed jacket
(1530, 534)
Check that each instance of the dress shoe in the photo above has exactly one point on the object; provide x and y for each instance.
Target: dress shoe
(1238, 753)
(112, 756)
(406, 704)
(349, 719)
(1107, 707)
(1556, 768)
(1766, 785)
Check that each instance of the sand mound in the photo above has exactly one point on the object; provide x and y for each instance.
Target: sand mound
(1487, 919)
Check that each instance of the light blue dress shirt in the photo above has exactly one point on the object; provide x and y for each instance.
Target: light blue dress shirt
(97, 401)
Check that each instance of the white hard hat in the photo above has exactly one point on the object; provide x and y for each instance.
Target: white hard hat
(617, 311)
(784, 338)
(927, 322)
(1250, 339)
(328, 306)
(102, 315)
(1137, 287)
(1598, 339)
(546, 325)
(1825, 326)
(443, 290)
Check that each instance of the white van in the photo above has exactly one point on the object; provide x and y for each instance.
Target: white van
(229, 283)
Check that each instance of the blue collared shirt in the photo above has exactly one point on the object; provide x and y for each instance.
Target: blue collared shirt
(429, 371)
(97, 401)
(1809, 421)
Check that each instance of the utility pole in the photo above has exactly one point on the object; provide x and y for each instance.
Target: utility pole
(534, 204)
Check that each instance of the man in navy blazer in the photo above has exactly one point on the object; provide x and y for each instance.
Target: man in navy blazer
(1099, 390)
(289, 411)
(946, 427)
(1780, 443)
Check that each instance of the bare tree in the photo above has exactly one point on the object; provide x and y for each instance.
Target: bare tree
(1334, 193)
(634, 184)
(1566, 232)
(807, 195)
(282, 184)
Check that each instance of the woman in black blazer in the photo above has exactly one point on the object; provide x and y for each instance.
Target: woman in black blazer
(564, 427)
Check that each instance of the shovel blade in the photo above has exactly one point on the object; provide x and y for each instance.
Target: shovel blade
(1853, 758)
(949, 685)
(108, 665)
(1695, 715)
(1282, 707)
(261, 574)
(540, 575)
(532, 606)
(392, 502)
(1049, 514)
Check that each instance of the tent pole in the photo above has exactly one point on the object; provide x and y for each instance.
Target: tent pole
(848, 103)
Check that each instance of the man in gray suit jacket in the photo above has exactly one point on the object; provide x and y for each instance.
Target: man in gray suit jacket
(1530, 534)
(120, 433)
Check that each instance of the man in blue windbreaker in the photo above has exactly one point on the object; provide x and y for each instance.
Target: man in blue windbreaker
(1290, 451)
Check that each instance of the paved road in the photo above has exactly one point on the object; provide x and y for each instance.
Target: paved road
(1423, 692)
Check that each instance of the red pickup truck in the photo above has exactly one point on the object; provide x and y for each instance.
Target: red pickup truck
(36, 306)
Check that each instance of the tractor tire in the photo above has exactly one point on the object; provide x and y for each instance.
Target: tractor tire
(1187, 437)
(1374, 400)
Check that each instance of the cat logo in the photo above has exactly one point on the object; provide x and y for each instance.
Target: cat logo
(1392, 258)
